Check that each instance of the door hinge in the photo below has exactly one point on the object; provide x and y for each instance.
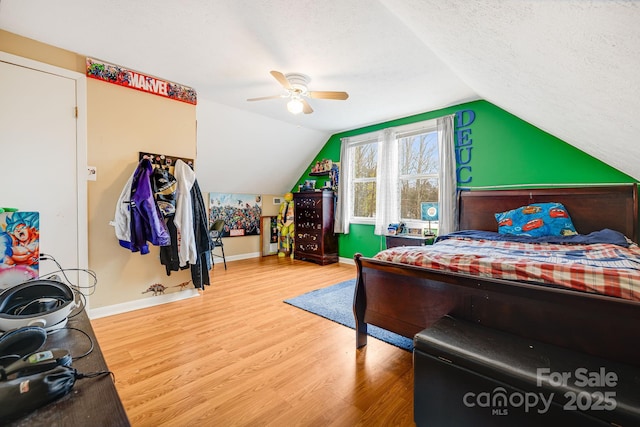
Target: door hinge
(75, 112)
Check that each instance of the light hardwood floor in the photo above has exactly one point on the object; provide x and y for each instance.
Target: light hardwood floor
(238, 356)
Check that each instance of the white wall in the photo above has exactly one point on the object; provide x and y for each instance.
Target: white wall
(276, 153)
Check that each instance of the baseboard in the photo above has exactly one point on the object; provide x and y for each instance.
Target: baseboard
(344, 260)
(141, 303)
(218, 259)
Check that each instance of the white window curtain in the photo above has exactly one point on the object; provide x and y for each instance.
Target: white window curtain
(448, 215)
(387, 190)
(343, 202)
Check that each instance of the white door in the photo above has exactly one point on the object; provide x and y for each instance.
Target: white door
(39, 157)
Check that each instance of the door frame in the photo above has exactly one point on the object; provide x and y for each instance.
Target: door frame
(81, 148)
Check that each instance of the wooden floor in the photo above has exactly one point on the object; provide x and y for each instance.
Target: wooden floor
(238, 356)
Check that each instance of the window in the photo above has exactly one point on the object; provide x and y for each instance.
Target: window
(363, 179)
(413, 164)
(417, 172)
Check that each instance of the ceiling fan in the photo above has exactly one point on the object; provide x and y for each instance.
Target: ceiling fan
(296, 86)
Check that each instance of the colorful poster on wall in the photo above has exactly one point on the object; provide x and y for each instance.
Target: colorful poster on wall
(240, 212)
(121, 76)
(19, 247)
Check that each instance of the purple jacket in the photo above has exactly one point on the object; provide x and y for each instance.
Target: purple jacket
(147, 224)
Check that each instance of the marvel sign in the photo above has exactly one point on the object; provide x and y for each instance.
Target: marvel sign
(123, 77)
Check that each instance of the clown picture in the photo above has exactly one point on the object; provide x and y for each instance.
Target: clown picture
(19, 246)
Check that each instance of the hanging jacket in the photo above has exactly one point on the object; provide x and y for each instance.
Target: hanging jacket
(165, 186)
(183, 219)
(122, 218)
(147, 224)
(202, 238)
(169, 254)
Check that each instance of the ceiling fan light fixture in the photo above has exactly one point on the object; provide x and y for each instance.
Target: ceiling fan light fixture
(295, 106)
(295, 85)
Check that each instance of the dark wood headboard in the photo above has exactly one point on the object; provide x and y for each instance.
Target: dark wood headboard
(590, 208)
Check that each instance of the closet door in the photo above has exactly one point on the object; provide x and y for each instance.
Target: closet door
(39, 169)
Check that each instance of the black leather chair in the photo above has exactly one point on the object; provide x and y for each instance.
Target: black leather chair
(216, 237)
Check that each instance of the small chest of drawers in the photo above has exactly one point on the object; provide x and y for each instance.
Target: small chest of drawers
(314, 237)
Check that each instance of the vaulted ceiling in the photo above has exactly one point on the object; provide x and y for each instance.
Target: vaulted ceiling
(569, 67)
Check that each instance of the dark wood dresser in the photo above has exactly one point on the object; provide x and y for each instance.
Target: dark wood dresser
(314, 237)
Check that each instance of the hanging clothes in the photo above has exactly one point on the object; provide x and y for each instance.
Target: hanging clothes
(191, 222)
(184, 213)
(167, 211)
(122, 218)
(147, 224)
(165, 188)
(169, 254)
(204, 245)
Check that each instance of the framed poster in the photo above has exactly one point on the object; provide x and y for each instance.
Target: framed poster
(240, 212)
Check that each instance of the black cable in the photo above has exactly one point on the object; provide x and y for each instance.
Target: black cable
(76, 288)
(63, 271)
(80, 375)
(88, 352)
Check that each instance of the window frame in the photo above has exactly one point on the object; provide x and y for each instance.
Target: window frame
(369, 138)
(430, 126)
(417, 128)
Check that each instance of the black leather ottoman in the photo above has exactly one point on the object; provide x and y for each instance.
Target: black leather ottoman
(469, 375)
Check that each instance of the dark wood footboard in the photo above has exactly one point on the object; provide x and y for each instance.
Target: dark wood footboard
(406, 300)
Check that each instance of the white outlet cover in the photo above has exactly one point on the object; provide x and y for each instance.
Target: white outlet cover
(92, 173)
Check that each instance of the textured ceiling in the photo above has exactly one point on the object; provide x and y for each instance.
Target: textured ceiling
(568, 67)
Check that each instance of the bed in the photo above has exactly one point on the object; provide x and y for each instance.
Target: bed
(406, 299)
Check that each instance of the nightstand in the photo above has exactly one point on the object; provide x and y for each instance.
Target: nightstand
(394, 240)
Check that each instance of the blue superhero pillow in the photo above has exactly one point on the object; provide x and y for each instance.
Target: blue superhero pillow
(536, 220)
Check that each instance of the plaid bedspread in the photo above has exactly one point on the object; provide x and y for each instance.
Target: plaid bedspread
(602, 268)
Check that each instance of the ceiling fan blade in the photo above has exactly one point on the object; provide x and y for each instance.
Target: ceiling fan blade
(281, 79)
(329, 95)
(264, 97)
(306, 108)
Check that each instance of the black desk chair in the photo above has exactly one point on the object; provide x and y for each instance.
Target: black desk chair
(216, 237)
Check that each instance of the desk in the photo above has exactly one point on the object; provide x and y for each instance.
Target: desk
(92, 401)
(395, 240)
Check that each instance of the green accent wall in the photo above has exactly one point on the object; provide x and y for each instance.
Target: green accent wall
(505, 151)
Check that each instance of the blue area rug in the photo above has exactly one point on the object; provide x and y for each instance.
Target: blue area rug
(336, 303)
